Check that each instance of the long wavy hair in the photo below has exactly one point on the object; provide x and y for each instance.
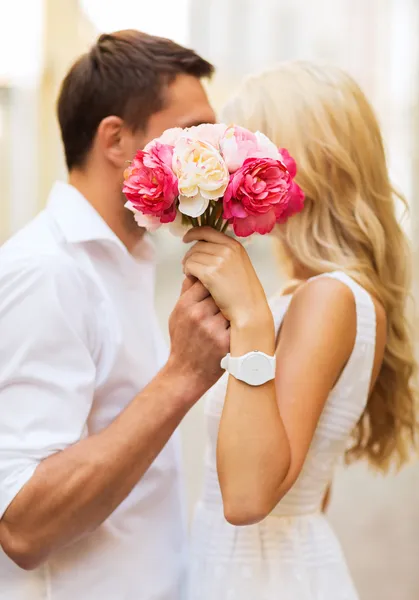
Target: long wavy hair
(349, 223)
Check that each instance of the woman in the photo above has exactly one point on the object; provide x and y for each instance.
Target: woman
(344, 359)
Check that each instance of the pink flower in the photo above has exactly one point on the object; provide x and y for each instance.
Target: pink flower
(296, 197)
(257, 196)
(266, 148)
(294, 205)
(149, 222)
(150, 183)
(288, 161)
(238, 144)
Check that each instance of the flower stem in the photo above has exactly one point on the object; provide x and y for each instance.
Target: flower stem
(213, 214)
(208, 214)
(219, 222)
(224, 227)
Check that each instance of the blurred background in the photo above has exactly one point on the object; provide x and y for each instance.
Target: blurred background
(377, 519)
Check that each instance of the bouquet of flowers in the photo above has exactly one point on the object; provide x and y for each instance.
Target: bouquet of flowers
(214, 175)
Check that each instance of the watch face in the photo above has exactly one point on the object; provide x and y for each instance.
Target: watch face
(256, 369)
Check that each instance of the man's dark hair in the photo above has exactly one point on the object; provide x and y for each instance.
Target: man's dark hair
(125, 74)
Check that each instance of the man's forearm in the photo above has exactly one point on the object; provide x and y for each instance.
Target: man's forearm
(74, 491)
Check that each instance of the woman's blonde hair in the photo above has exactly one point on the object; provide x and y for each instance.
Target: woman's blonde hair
(349, 222)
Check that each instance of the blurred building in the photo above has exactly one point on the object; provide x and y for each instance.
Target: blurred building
(39, 39)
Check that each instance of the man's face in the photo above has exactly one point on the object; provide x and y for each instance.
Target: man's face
(186, 105)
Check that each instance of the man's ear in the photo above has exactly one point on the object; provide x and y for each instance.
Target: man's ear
(109, 136)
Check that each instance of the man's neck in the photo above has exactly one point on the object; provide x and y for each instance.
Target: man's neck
(106, 198)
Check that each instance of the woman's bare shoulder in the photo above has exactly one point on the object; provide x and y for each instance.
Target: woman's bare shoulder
(322, 307)
(327, 291)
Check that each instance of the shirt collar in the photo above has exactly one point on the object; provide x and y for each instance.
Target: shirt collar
(80, 222)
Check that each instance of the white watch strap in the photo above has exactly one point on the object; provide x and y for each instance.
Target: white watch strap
(258, 374)
(231, 364)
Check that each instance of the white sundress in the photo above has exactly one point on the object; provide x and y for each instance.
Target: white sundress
(293, 554)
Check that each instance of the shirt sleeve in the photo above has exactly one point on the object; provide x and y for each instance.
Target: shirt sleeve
(47, 370)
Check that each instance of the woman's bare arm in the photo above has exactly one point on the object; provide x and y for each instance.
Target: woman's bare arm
(265, 432)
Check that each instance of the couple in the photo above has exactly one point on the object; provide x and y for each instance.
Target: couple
(91, 498)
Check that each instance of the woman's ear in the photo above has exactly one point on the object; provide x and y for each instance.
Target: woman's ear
(110, 140)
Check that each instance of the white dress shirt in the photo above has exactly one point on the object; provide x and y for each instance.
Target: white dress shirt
(78, 340)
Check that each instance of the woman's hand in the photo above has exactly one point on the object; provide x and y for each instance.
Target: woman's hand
(224, 268)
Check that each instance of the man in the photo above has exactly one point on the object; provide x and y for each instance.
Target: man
(90, 490)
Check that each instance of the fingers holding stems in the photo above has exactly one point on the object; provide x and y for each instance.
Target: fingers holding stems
(223, 266)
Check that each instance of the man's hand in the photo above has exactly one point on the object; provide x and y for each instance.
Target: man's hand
(199, 336)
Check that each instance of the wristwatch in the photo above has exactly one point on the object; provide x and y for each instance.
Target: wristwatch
(254, 368)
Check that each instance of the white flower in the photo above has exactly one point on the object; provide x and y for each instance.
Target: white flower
(193, 206)
(202, 174)
(177, 227)
(149, 222)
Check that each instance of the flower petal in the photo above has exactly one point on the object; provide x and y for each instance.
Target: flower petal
(149, 222)
(294, 205)
(237, 210)
(262, 224)
(288, 161)
(130, 206)
(177, 227)
(243, 227)
(214, 194)
(193, 207)
(266, 148)
(208, 132)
